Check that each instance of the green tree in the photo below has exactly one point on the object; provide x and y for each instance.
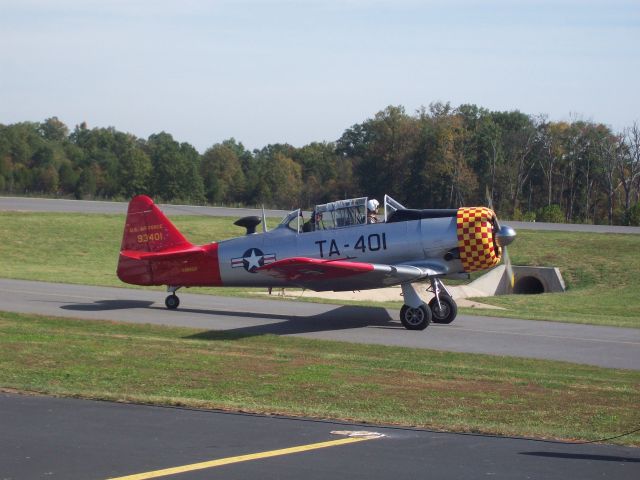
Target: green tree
(68, 178)
(326, 174)
(381, 150)
(135, 171)
(54, 130)
(519, 136)
(550, 213)
(47, 179)
(176, 168)
(221, 170)
(88, 181)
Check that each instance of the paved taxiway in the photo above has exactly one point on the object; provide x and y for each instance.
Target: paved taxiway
(25, 204)
(587, 344)
(72, 439)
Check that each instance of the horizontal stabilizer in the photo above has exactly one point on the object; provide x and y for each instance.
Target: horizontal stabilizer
(170, 254)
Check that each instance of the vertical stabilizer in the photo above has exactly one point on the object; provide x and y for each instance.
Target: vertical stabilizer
(148, 229)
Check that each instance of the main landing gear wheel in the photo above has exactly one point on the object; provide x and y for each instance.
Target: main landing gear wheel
(446, 312)
(172, 301)
(415, 318)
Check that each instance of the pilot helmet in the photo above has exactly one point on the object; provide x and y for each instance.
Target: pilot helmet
(373, 205)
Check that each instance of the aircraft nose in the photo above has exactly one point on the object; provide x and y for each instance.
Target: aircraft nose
(505, 236)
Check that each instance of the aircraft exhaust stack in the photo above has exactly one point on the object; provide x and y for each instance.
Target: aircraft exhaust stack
(250, 223)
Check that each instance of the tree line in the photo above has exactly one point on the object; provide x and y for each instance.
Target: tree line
(525, 166)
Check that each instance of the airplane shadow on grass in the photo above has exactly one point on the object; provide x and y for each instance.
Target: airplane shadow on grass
(336, 318)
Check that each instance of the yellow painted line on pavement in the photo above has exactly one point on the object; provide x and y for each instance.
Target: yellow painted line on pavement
(242, 458)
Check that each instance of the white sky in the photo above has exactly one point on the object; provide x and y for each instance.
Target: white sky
(302, 71)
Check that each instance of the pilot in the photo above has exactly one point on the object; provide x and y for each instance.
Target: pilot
(313, 223)
(309, 225)
(372, 210)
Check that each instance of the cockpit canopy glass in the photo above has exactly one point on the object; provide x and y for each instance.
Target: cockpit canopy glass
(342, 213)
(338, 214)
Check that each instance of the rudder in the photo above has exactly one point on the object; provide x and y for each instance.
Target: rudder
(147, 229)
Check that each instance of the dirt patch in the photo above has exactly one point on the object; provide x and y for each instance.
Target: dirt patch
(389, 294)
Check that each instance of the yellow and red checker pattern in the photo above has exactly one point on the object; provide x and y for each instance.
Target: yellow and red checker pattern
(475, 239)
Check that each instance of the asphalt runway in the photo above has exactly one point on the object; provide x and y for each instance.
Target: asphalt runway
(55, 438)
(609, 347)
(26, 204)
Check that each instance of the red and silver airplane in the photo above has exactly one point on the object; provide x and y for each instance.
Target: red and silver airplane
(336, 249)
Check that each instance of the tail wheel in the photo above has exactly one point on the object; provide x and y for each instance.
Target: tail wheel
(172, 302)
(415, 318)
(445, 312)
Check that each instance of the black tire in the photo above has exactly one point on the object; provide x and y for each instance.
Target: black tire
(447, 313)
(172, 302)
(415, 318)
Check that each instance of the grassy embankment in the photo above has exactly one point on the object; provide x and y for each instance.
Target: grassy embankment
(602, 271)
(180, 366)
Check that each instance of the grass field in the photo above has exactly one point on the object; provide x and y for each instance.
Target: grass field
(270, 374)
(602, 271)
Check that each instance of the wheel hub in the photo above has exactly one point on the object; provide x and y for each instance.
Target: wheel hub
(414, 316)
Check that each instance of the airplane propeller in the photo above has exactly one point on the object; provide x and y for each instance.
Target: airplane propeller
(264, 221)
(504, 235)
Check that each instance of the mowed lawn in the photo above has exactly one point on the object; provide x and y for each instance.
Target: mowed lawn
(293, 376)
(81, 248)
(602, 271)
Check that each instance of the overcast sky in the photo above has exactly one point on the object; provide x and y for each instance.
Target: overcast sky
(302, 71)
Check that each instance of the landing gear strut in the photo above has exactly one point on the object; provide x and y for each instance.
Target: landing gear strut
(414, 315)
(442, 305)
(172, 301)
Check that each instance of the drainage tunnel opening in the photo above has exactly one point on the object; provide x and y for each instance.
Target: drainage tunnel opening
(528, 286)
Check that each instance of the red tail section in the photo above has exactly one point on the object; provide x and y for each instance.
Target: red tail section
(154, 252)
(147, 229)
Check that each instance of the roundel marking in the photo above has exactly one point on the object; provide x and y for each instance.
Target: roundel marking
(252, 259)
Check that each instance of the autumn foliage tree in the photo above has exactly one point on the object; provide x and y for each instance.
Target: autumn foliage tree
(437, 157)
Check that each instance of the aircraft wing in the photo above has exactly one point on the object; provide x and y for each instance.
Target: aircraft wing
(342, 275)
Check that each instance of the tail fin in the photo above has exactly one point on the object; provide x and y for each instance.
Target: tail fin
(154, 252)
(147, 229)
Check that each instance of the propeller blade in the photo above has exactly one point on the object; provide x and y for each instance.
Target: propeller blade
(488, 197)
(508, 267)
(264, 221)
(504, 235)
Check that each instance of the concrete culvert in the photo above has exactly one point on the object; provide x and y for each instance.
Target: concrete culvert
(528, 285)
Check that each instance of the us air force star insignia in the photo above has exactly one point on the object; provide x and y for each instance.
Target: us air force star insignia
(252, 259)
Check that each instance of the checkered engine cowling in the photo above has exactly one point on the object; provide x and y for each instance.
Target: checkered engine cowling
(478, 250)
